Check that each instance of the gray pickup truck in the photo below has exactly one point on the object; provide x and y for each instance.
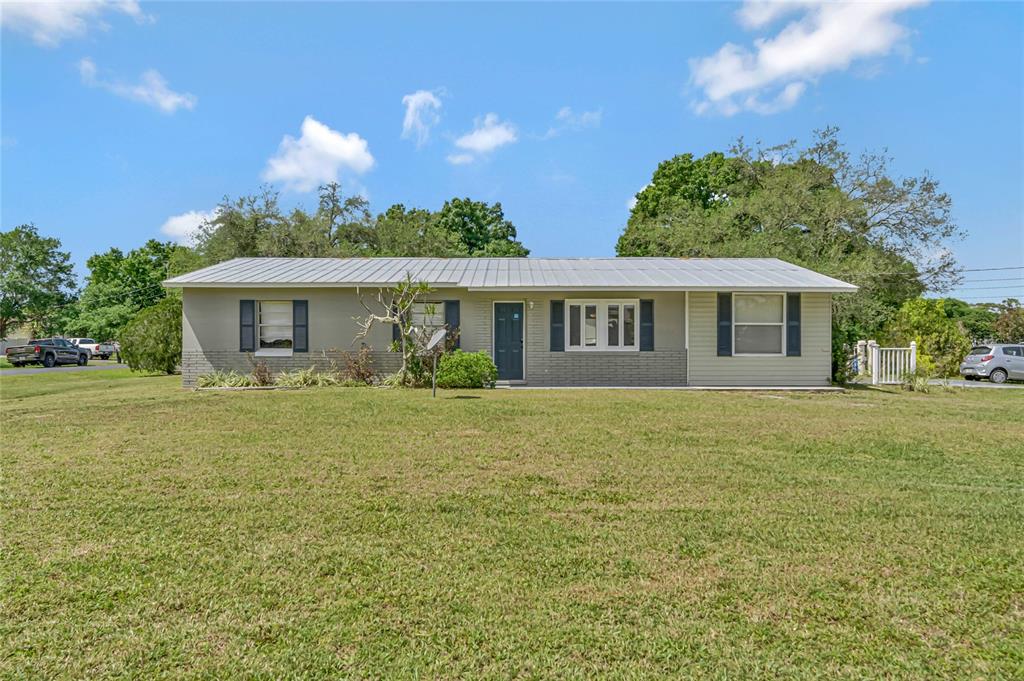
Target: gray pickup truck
(48, 352)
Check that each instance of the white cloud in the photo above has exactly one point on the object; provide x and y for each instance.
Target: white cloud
(151, 89)
(49, 23)
(567, 120)
(631, 203)
(182, 228)
(422, 112)
(317, 157)
(488, 134)
(828, 36)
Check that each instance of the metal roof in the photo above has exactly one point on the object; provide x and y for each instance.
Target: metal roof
(612, 274)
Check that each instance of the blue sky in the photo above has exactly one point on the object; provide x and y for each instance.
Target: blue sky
(119, 121)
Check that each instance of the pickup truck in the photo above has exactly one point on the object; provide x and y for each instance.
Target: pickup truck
(48, 352)
(101, 350)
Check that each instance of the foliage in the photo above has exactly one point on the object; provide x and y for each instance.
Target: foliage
(261, 374)
(151, 341)
(342, 226)
(924, 321)
(306, 378)
(36, 280)
(224, 379)
(1009, 326)
(466, 370)
(816, 207)
(118, 286)
(358, 366)
(394, 309)
(481, 228)
(978, 319)
(917, 381)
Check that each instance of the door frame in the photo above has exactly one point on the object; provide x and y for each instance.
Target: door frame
(493, 327)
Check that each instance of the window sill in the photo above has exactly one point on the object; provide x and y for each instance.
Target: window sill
(599, 350)
(274, 352)
(759, 354)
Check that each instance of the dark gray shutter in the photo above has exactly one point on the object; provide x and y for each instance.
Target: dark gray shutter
(646, 325)
(725, 325)
(792, 324)
(452, 317)
(396, 332)
(557, 326)
(247, 326)
(300, 326)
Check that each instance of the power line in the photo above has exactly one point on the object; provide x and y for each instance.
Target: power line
(988, 288)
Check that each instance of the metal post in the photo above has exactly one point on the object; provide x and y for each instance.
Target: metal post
(433, 379)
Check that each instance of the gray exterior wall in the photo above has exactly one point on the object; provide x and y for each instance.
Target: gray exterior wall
(812, 368)
(210, 337)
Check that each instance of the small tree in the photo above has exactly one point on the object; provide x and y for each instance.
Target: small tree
(395, 309)
(924, 321)
(151, 341)
(1009, 326)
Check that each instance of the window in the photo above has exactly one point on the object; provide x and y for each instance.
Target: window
(758, 323)
(980, 350)
(428, 316)
(1012, 351)
(274, 319)
(601, 325)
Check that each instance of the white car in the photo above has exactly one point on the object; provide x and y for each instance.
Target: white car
(101, 350)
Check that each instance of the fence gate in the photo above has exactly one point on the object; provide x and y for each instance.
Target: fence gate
(885, 366)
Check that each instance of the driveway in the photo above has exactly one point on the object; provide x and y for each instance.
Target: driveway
(958, 383)
(61, 369)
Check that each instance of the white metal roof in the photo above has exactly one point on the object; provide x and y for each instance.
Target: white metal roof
(509, 274)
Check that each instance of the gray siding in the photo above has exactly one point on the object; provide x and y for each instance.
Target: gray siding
(812, 368)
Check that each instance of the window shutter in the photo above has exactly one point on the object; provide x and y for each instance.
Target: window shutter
(247, 326)
(557, 326)
(725, 325)
(792, 324)
(300, 326)
(452, 317)
(646, 325)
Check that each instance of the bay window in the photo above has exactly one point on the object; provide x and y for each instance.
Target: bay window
(758, 323)
(601, 325)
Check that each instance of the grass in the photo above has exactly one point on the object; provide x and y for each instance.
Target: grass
(152, 532)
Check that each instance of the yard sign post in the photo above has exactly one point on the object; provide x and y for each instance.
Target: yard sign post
(432, 346)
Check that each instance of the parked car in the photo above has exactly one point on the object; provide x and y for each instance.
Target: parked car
(48, 352)
(995, 361)
(101, 350)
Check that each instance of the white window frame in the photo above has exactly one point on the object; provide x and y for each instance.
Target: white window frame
(602, 324)
(781, 324)
(275, 352)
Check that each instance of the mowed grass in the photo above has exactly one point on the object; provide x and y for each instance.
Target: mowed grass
(149, 531)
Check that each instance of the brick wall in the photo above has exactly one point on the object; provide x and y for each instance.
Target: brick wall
(197, 362)
(657, 368)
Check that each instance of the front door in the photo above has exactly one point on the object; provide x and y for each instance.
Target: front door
(508, 341)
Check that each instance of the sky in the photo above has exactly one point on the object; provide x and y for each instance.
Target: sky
(122, 121)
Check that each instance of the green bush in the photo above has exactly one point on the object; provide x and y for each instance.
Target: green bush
(224, 379)
(151, 341)
(466, 370)
(306, 378)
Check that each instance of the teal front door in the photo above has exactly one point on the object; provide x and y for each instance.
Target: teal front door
(508, 341)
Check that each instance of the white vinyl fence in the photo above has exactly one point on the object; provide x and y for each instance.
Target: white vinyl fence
(885, 366)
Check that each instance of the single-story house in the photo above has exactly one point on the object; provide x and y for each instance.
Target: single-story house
(544, 321)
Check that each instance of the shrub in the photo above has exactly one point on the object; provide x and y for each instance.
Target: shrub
(306, 378)
(358, 366)
(224, 379)
(466, 370)
(151, 341)
(261, 374)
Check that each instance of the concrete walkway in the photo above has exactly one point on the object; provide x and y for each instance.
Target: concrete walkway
(957, 383)
(64, 368)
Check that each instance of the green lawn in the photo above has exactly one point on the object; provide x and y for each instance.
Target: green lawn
(149, 531)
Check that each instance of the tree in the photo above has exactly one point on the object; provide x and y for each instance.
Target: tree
(941, 341)
(481, 228)
(977, 319)
(36, 279)
(815, 207)
(1009, 326)
(152, 339)
(395, 306)
(120, 285)
(414, 232)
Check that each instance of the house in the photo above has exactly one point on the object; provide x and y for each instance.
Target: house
(546, 322)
